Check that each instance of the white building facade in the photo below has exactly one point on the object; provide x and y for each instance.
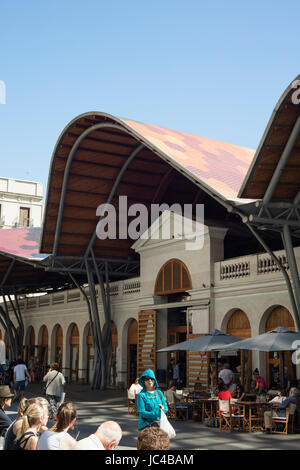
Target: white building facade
(244, 296)
(21, 203)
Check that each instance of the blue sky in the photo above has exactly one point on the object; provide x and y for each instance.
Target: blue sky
(214, 69)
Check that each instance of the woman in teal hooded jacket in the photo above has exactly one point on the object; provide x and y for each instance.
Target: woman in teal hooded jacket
(150, 401)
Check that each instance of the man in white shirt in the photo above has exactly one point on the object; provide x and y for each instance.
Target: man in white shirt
(20, 374)
(226, 375)
(107, 437)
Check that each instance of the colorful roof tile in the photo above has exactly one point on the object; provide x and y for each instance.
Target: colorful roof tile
(22, 242)
(219, 165)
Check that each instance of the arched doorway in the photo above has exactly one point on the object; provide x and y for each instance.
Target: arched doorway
(74, 354)
(275, 361)
(90, 356)
(174, 281)
(58, 356)
(132, 352)
(30, 350)
(43, 349)
(239, 326)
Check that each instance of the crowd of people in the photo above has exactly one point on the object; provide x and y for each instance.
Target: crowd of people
(29, 430)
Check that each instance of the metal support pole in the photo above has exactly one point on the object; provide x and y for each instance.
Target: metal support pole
(285, 274)
(99, 350)
(88, 305)
(277, 223)
(288, 245)
(66, 175)
(7, 272)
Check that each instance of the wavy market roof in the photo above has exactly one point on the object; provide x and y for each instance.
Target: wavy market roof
(21, 268)
(219, 165)
(90, 154)
(275, 169)
(22, 242)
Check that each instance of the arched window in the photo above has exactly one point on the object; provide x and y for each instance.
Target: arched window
(239, 325)
(173, 277)
(280, 316)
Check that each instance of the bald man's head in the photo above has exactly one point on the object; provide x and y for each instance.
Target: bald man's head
(110, 434)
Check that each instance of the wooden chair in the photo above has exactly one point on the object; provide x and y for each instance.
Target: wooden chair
(181, 412)
(208, 409)
(224, 414)
(171, 414)
(255, 418)
(131, 403)
(283, 423)
(238, 417)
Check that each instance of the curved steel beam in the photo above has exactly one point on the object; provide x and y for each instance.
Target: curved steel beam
(281, 164)
(113, 191)
(67, 172)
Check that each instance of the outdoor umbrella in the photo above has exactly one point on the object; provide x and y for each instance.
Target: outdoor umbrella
(280, 339)
(212, 341)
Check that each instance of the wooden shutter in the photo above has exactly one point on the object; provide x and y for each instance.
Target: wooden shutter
(24, 217)
(146, 350)
(172, 277)
(197, 366)
(240, 327)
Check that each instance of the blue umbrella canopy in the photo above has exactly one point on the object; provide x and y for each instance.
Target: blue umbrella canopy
(211, 341)
(280, 339)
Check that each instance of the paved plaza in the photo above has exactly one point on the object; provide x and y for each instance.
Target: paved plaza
(96, 406)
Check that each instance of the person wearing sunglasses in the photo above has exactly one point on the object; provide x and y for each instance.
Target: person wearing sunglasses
(150, 401)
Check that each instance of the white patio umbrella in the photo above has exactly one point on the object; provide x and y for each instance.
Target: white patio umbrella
(281, 339)
(212, 341)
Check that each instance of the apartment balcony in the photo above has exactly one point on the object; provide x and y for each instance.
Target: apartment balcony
(23, 224)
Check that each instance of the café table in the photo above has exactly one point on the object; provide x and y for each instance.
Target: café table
(252, 411)
(203, 406)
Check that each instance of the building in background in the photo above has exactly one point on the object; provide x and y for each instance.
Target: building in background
(21, 203)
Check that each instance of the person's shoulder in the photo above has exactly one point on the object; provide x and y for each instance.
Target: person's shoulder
(67, 441)
(141, 395)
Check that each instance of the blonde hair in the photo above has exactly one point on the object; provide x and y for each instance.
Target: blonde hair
(42, 401)
(23, 405)
(31, 417)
